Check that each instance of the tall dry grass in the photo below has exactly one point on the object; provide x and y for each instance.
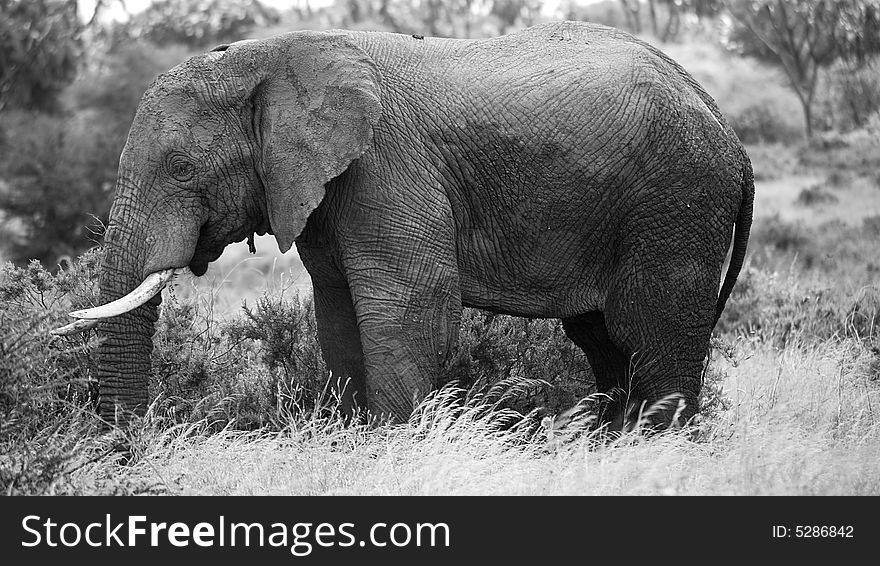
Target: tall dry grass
(802, 420)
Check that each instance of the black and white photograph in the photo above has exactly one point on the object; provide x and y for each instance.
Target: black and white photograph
(436, 248)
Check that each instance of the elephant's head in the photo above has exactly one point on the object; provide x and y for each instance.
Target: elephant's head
(232, 142)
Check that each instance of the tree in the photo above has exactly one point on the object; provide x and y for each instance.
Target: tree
(197, 23)
(60, 140)
(54, 174)
(806, 36)
(675, 9)
(509, 12)
(57, 172)
(40, 47)
(632, 12)
(666, 18)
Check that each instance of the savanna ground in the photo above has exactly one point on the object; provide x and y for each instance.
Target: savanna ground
(791, 396)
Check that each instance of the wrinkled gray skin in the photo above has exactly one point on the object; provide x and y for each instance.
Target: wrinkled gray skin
(567, 171)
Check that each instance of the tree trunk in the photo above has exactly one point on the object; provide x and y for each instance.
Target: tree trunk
(807, 107)
(653, 11)
(631, 13)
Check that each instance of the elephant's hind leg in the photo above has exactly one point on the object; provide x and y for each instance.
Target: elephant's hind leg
(662, 319)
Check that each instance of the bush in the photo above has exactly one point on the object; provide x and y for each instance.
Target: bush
(850, 96)
(772, 161)
(47, 394)
(257, 369)
(815, 195)
(286, 334)
(763, 122)
(840, 178)
(776, 234)
(833, 251)
(776, 308)
(871, 225)
(37, 368)
(495, 348)
(856, 152)
(264, 366)
(810, 283)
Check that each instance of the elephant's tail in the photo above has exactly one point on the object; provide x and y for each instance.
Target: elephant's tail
(742, 226)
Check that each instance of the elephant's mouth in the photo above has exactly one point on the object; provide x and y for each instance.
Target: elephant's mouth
(202, 257)
(199, 266)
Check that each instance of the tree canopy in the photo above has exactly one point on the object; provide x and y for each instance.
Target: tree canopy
(198, 22)
(40, 46)
(806, 36)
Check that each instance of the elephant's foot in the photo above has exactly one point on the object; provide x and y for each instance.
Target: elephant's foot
(622, 413)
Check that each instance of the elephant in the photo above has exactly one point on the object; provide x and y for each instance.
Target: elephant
(567, 171)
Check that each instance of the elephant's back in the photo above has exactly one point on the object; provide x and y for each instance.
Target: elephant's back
(568, 47)
(571, 37)
(539, 71)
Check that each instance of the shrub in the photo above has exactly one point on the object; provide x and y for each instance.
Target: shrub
(261, 367)
(835, 252)
(856, 152)
(257, 369)
(47, 395)
(780, 235)
(839, 178)
(287, 335)
(494, 348)
(39, 369)
(58, 173)
(815, 195)
(772, 161)
(776, 308)
(871, 225)
(850, 95)
(762, 123)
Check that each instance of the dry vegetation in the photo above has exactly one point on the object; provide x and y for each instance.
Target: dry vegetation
(791, 401)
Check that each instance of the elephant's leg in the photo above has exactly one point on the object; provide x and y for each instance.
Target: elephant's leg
(608, 362)
(409, 327)
(662, 319)
(340, 342)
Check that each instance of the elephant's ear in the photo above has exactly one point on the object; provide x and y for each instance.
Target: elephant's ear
(315, 102)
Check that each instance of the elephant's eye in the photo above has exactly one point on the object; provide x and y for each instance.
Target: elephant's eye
(180, 167)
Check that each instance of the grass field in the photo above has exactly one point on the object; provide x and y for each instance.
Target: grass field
(799, 421)
(791, 402)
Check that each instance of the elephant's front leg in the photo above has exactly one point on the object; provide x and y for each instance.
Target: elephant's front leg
(338, 331)
(341, 346)
(408, 314)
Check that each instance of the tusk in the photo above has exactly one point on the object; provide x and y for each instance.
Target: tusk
(75, 327)
(152, 284)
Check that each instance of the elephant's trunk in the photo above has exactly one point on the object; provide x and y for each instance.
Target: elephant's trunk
(124, 353)
(137, 246)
